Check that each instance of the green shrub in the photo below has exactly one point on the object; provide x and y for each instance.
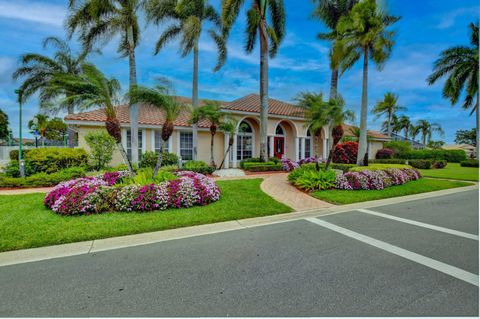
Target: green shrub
(262, 166)
(297, 172)
(12, 169)
(398, 146)
(149, 159)
(438, 164)
(122, 167)
(101, 146)
(198, 167)
(469, 163)
(312, 180)
(339, 166)
(420, 164)
(387, 161)
(377, 167)
(451, 156)
(144, 177)
(257, 160)
(43, 179)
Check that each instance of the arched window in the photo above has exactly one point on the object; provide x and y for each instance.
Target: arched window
(308, 145)
(279, 130)
(244, 141)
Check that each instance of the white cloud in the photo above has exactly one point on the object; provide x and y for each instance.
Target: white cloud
(33, 11)
(448, 20)
(7, 66)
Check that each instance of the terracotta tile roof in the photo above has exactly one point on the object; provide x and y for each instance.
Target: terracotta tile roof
(348, 130)
(251, 103)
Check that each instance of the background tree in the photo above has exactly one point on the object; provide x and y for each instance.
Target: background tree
(404, 125)
(37, 70)
(364, 31)
(414, 131)
(4, 131)
(270, 34)
(160, 97)
(102, 20)
(38, 126)
(187, 18)
(435, 144)
(228, 126)
(427, 129)
(459, 65)
(101, 146)
(393, 125)
(210, 112)
(466, 137)
(388, 107)
(56, 129)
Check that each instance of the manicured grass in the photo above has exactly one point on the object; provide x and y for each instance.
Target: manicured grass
(26, 223)
(423, 185)
(453, 171)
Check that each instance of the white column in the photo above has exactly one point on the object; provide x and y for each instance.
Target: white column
(297, 148)
(302, 148)
(144, 141)
(226, 164)
(325, 147)
(234, 151)
(271, 146)
(152, 140)
(124, 138)
(170, 144)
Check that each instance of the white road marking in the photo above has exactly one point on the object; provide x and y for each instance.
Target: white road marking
(420, 224)
(426, 261)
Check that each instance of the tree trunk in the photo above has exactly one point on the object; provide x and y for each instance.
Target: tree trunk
(159, 159)
(334, 83)
(71, 132)
(195, 99)
(476, 121)
(133, 107)
(362, 145)
(226, 154)
(125, 157)
(212, 159)
(263, 90)
(389, 125)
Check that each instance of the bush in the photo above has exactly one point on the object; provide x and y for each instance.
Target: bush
(388, 161)
(262, 167)
(198, 167)
(469, 163)
(379, 179)
(438, 164)
(42, 179)
(101, 146)
(451, 156)
(12, 169)
(420, 164)
(376, 167)
(312, 180)
(257, 160)
(149, 159)
(385, 153)
(342, 167)
(398, 146)
(346, 153)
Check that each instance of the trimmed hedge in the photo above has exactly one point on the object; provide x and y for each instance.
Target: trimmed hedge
(257, 160)
(420, 164)
(469, 163)
(376, 167)
(42, 179)
(388, 161)
(338, 166)
(452, 156)
(149, 159)
(262, 167)
(198, 167)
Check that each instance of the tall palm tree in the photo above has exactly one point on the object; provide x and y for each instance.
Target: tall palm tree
(459, 65)
(187, 18)
(101, 21)
(39, 125)
(393, 125)
(427, 129)
(270, 38)
(210, 112)
(388, 107)
(37, 70)
(404, 125)
(414, 131)
(92, 88)
(160, 97)
(330, 12)
(364, 31)
(228, 126)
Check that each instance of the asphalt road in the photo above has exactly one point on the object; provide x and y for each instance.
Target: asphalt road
(347, 264)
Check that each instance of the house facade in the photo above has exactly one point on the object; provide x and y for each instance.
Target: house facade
(287, 133)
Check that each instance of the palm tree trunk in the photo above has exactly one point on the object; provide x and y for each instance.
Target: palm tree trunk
(389, 126)
(330, 155)
(263, 90)
(212, 160)
(133, 107)
(195, 99)
(125, 157)
(362, 146)
(159, 160)
(334, 83)
(225, 156)
(71, 132)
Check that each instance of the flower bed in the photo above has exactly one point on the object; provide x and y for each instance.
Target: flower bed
(103, 193)
(377, 179)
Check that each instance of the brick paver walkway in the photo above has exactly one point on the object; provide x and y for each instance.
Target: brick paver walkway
(277, 186)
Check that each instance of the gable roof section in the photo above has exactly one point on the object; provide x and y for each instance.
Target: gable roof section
(348, 130)
(251, 103)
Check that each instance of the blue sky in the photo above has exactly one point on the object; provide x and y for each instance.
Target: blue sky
(426, 28)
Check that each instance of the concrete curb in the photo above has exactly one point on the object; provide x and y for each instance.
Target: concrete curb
(92, 246)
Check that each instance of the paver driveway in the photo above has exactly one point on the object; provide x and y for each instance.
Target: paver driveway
(411, 259)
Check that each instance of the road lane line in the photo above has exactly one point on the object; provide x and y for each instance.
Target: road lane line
(420, 224)
(420, 259)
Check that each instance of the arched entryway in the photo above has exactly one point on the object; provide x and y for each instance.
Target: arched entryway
(282, 142)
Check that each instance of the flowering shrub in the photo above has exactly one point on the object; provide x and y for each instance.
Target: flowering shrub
(288, 165)
(377, 179)
(385, 153)
(345, 153)
(100, 194)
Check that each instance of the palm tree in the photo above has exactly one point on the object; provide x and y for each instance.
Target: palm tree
(102, 20)
(404, 125)
(210, 112)
(187, 18)
(228, 126)
(459, 65)
(37, 70)
(388, 107)
(160, 97)
(393, 125)
(414, 131)
(92, 88)
(39, 124)
(427, 129)
(364, 31)
(330, 12)
(270, 38)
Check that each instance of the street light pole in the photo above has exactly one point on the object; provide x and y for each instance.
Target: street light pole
(20, 144)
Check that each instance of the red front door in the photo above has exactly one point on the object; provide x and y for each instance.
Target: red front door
(278, 146)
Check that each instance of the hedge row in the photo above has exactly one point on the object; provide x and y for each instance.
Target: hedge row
(262, 167)
(257, 160)
(452, 156)
(469, 163)
(42, 179)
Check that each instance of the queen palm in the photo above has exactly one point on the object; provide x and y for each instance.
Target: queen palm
(427, 129)
(187, 18)
(404, 125)
(228, 126)
(330, 12)
(364, 31)
(270, 38)
(210, 112)
(393, 125)
(102, 20)
(388, 106)
(92, 88)
(160, 97)
(414, 131)
(37, 70)
(459, 65)
(39, 124)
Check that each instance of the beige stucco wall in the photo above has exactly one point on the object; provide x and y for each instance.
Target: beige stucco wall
(374, 147)
(84, 130)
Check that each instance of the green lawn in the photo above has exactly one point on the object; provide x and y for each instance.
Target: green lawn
(453, 171)
(26, 223)
(419, 186)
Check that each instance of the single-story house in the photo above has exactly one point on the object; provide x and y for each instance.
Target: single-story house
(467, 148)
(287, 133)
